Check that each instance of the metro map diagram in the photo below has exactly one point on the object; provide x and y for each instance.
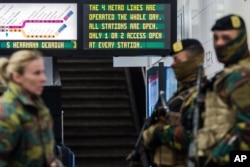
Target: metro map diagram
(38, 22)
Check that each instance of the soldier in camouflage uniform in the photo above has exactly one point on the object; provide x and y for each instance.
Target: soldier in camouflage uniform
(227, 114)
(170, 136)
(26, 134)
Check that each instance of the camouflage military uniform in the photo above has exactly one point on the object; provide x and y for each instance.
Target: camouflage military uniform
(169, 138)
(27, 138)
(172, 150)
(227, 114)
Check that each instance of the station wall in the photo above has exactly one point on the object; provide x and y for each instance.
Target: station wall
(196, 17)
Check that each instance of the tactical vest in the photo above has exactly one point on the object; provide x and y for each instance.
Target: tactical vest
(218, 117)
(178, 102)
(164, 155)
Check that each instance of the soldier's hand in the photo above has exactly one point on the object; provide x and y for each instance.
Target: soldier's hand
(159, 126)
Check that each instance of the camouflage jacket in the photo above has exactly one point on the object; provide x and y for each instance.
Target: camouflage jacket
(227, 115)
(234, 90)
(26, 131)
(183, 103)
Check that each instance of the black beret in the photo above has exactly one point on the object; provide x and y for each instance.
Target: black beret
(182, 45)
(229, 22)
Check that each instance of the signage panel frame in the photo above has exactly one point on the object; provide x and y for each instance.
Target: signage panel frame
(129, 51)
(80, 51)
(72, 46)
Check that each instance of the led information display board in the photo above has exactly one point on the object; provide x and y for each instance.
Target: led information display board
(38, 25)
(134, 25)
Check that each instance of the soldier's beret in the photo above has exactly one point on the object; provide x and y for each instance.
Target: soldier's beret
(229, 22)
(182, 45)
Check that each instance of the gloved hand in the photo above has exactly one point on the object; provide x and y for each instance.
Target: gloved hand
(221, 151)
(158, 115)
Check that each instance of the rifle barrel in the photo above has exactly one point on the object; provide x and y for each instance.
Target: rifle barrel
(193, 145)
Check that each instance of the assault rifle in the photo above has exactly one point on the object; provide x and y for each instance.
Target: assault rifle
(139, 152)
(163, 102)
(192, 152)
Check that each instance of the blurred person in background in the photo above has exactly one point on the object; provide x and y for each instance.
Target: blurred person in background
(26, 127)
